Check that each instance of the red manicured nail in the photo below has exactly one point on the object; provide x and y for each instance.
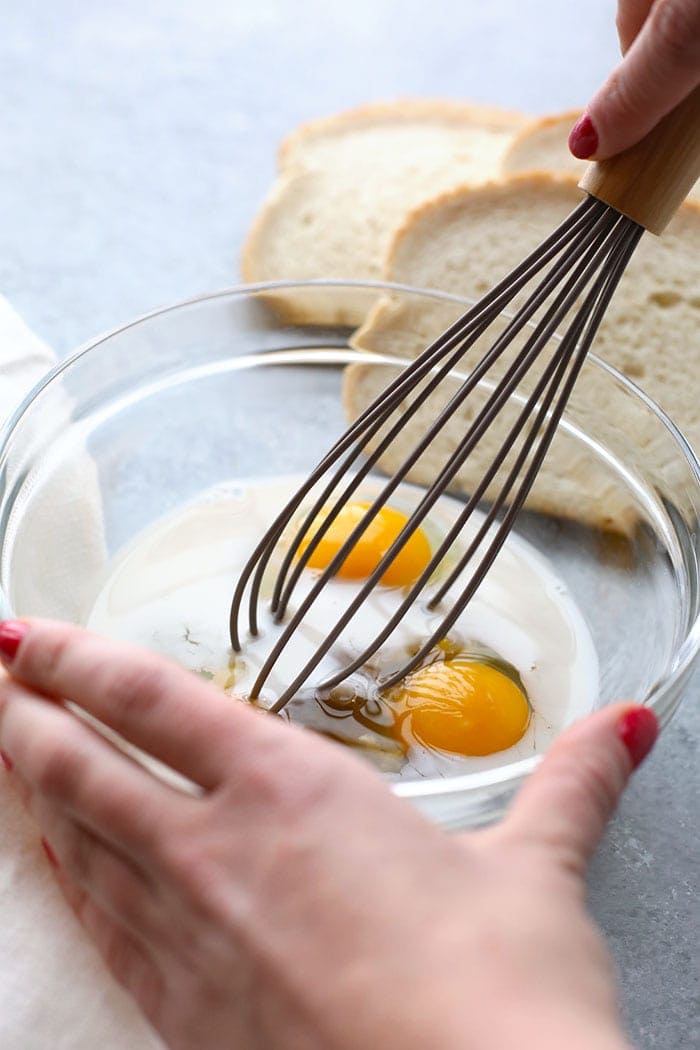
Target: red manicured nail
(583, 138)
(11, 634)
(6, 761)
(638, 729)
(53, 861)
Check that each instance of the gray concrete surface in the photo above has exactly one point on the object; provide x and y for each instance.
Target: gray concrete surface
(137, 138)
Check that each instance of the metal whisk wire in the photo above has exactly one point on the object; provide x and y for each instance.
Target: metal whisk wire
(588, 252)
(389, 401)
(472, 323)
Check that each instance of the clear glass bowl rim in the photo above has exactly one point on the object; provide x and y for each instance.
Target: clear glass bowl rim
(513, 773)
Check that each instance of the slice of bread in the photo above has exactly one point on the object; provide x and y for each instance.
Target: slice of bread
(463, 242)
(542, 145)
(347, 182)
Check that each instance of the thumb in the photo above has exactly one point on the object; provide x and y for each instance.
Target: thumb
(567, 803)
(659, 70)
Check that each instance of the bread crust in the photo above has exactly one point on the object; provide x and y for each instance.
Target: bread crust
(403, 110)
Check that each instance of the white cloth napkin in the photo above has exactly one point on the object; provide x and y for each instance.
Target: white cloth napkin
(55, 992)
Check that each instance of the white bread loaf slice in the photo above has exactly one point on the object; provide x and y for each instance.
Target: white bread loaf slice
(347, 182)
(542, 145)
(464, 242)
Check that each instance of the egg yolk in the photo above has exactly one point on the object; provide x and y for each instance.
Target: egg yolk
(371, 547)
(463, 707)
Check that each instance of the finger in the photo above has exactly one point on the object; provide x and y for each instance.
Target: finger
(117, 884)
(567, 803)
(57, 755)
(631, 16)
(659, 70)
(152, 703)
(128, 960)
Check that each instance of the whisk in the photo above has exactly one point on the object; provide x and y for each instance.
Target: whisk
(580, 265)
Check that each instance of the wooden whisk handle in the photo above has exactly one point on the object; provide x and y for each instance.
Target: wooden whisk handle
(649, 181)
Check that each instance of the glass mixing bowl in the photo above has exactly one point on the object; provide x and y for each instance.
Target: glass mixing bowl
(248, 383)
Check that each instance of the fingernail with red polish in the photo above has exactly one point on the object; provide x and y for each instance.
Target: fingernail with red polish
(638, 729)
(6, 761)
(11, 634)
(53, 861)
(583, 138)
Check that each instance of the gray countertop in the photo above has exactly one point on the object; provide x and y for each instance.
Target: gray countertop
(137, 140)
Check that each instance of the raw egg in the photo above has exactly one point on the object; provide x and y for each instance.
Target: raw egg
(370, 547)
(170, 589)
(462, 707)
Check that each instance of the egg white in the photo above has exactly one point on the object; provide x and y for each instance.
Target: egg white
(170, 590)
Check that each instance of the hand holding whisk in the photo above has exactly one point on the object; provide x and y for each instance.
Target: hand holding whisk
(577, 269)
